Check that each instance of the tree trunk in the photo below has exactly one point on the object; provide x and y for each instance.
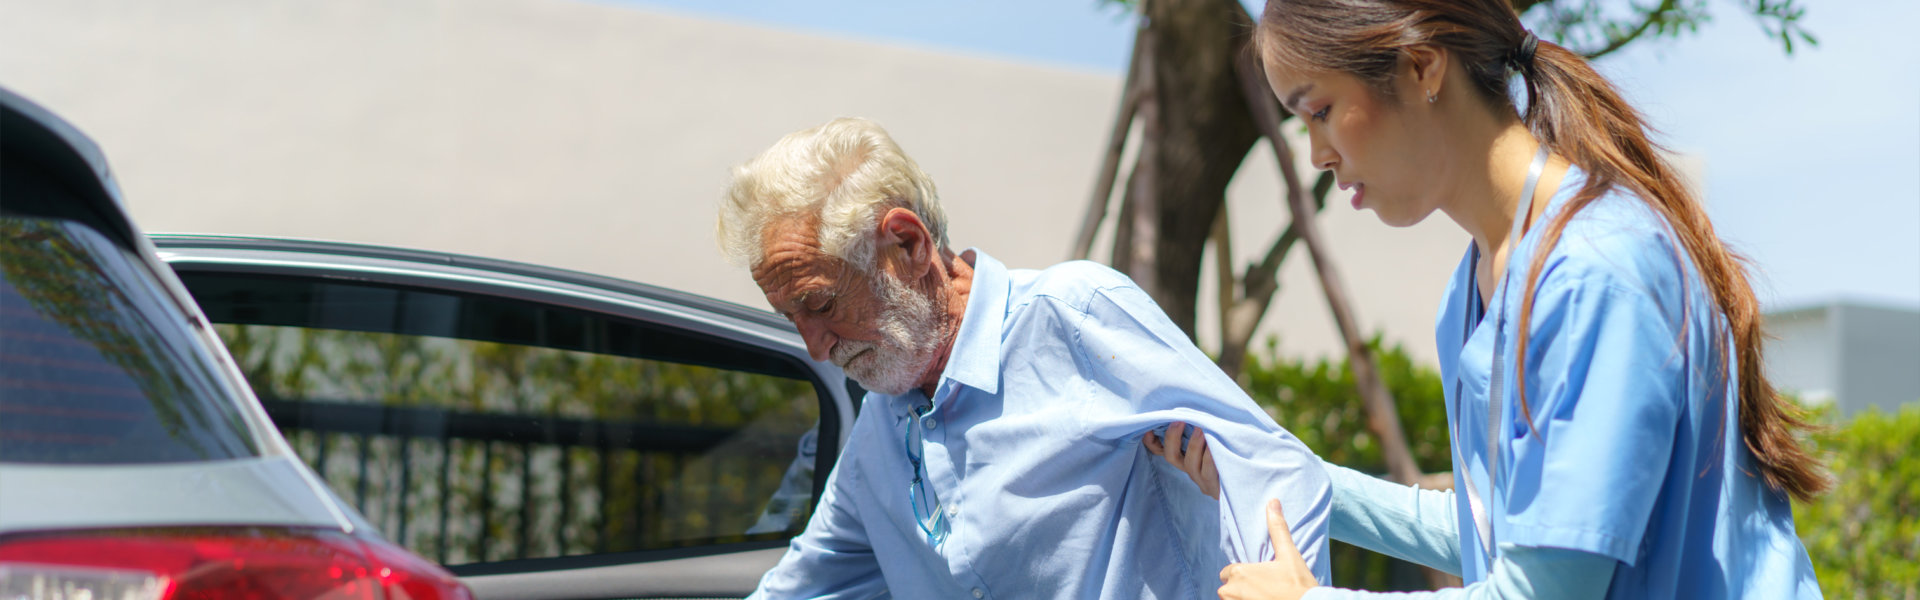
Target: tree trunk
(1196, 130)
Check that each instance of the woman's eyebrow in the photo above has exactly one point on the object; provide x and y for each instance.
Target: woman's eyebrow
(1292, 101)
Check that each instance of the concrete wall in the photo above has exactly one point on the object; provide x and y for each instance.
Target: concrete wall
(1880, 356)
(1853, 354)
(598, 137)
(1804, 355)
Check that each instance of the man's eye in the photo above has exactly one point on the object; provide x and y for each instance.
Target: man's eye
(825, 307)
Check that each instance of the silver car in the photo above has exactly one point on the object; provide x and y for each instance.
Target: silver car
(542, 433)
(135, 463)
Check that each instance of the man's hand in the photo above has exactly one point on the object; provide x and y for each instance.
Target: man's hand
(1286, 577)
(1195, 459)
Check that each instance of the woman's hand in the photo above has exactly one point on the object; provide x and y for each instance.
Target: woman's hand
(1195, 459)
(1286, 577)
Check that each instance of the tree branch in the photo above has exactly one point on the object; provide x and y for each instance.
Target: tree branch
(1223, 274)
(1130, 93)
(1655, 16)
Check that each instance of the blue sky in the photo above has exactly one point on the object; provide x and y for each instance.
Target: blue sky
(1812, 161)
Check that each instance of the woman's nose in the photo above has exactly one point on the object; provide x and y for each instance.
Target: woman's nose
(1321, 154)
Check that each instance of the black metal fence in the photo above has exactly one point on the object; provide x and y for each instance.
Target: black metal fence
(466, 487)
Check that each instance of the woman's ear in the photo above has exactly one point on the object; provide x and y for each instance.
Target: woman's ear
(1425, 67)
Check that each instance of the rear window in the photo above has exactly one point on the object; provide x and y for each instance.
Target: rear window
(97, 366)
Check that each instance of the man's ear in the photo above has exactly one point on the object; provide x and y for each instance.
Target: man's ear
(903, 235)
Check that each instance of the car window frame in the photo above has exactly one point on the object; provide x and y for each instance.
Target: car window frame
(694, 315)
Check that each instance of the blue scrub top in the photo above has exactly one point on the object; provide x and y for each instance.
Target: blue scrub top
(1633, 450)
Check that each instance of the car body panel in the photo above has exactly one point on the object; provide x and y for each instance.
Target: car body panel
(254, 491)
(693, 577)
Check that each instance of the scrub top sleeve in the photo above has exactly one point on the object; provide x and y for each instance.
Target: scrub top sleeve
(1137, 357)
(833, 557)
(1606, 379)
(1405, 522)
(1521, 573)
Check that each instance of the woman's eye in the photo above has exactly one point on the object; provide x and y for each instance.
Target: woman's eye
(1321, 115)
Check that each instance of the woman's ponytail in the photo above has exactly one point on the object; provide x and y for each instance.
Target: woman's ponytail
(1580, 116)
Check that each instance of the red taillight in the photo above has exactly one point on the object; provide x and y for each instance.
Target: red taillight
(223, 563)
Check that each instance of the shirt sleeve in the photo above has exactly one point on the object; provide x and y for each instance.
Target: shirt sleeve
(832, 558)
(1404, 522)
(1133, 353)
(1521, 573)
(1606, 379)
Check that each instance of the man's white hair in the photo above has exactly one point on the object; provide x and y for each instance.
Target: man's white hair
(846, 173)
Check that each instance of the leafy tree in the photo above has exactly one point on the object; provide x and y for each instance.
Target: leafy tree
(1864, 536)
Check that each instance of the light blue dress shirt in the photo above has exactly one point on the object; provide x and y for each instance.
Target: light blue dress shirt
(1633, 451)
(1032, 449)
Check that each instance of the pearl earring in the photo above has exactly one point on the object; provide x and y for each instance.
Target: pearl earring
(1431, 98)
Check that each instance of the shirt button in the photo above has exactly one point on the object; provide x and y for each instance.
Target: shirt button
(953, 512)
(930, 423)
(978, 594)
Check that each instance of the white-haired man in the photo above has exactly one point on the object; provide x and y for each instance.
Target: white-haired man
(999, 451)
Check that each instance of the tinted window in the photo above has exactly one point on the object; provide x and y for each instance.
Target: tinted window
(476, 429)
(96, 365)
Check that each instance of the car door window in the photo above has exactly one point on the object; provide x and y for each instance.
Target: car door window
(476, 429)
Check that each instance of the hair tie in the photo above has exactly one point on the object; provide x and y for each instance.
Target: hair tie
(1522, 57)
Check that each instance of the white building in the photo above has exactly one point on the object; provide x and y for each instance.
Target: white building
(1853, 354)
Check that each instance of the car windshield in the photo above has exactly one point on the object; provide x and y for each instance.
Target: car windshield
(97, 366)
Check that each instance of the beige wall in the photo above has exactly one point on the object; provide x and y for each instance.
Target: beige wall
(597, 137)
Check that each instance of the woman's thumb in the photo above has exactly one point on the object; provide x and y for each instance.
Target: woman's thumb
(1283, 548)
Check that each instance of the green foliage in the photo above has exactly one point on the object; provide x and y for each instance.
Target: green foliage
(1320, 404)
(1864, 536)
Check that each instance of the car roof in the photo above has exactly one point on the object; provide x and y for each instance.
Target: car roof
(242, 243)
(72, 158)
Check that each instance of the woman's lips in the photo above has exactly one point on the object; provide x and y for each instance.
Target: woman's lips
(1359, 191)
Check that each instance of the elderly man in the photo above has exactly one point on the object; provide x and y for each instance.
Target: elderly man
(999, 451)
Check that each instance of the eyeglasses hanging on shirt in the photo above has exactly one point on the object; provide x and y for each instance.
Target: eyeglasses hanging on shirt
(926, 504)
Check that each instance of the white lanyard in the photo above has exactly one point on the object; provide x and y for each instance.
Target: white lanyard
(1496, 407)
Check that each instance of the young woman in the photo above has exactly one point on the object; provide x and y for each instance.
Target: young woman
(1613, 435)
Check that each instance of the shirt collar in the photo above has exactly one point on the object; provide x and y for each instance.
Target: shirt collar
(974, 360)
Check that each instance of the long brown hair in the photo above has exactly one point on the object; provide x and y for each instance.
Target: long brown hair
(1579, 115)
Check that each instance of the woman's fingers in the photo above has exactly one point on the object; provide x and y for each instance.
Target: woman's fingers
(1209, 479)
(1170, 445)
(1191, 458)
(1194, 457)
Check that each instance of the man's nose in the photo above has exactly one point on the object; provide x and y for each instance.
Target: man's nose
(817, 335)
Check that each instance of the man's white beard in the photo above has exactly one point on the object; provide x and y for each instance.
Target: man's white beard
(910, 332)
